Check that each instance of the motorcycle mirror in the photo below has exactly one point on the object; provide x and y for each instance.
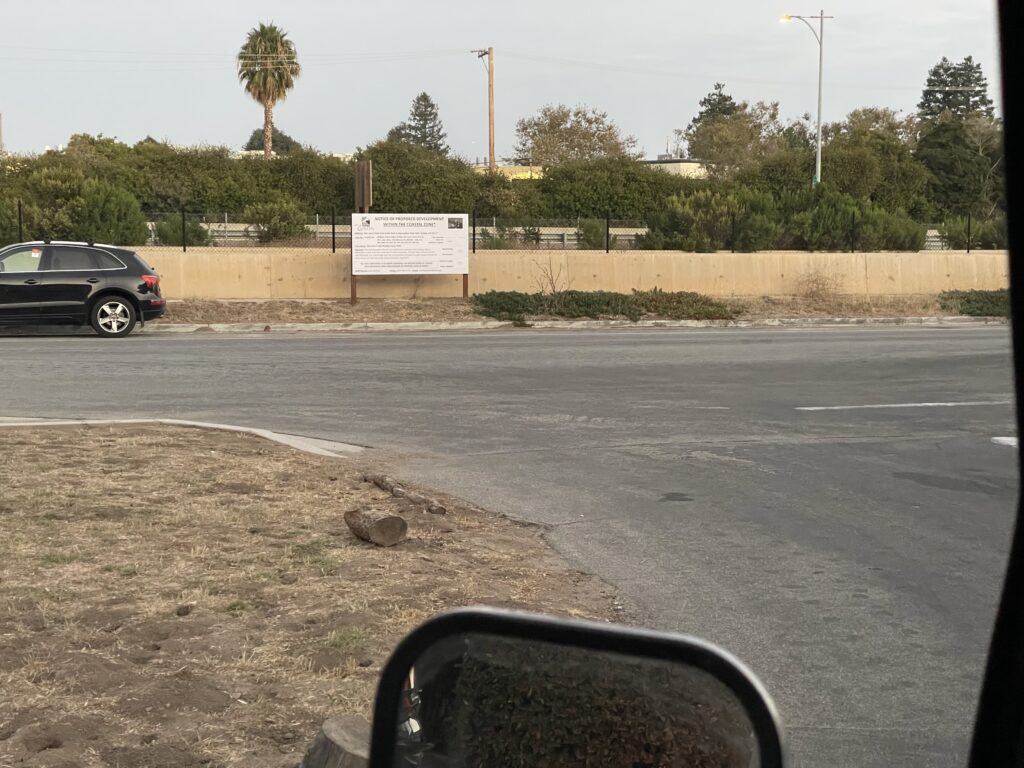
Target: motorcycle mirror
(480, 687)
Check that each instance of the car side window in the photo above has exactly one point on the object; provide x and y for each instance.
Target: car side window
(70, 258)
(22, 259)
(107, 261)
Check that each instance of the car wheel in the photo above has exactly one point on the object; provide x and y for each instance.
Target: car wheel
(112, 316)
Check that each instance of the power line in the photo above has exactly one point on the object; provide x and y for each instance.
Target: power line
(678, 73)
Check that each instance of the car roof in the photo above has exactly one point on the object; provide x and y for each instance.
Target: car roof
(115, 249)
(71, 242)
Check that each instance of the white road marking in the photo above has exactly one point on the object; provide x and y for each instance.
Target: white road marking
(902, 405)
(1011, 441)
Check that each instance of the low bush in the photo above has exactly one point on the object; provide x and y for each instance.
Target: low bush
(592, 304)
(988, 234)
(514, 306)
(277, 219)
(591, 234)
(976, 303)
(681, 305)
(511, 306)
(168, 231)
(8, 221)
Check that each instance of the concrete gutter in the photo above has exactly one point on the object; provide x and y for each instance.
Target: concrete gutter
(307, 444)
(486, 325)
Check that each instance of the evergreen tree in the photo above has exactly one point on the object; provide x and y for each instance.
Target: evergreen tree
(955, 90)
(423, 128)
(715, 106)
(283, 143)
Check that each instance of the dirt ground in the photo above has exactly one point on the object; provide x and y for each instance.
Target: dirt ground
(446, 310)
(365, 311)
(178, 597)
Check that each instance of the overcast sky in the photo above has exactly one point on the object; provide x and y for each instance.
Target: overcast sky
(130, 68)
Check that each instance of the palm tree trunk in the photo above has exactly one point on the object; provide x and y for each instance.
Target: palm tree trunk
(268, 129)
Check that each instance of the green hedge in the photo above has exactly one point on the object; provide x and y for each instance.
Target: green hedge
(168, 231)
(744, 219)
(976, 303)
(986, 234)
(515, 306)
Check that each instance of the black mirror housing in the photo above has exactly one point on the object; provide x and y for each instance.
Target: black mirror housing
(484, 686)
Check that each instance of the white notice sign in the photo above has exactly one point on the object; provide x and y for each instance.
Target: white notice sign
(410, 244)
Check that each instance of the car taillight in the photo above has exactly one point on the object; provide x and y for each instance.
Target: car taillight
(151, 281)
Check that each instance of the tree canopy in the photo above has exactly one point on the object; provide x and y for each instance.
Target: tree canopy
(955, 90)
(267, 67)
(424, 127)
(559, 134)
(716, 104)
(282, 143)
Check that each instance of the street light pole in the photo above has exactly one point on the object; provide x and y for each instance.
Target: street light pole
(821, 70)
(819, 35)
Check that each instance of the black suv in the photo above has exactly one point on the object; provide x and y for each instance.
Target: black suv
(76, 283)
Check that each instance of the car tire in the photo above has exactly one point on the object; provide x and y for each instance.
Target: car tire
(113, 316)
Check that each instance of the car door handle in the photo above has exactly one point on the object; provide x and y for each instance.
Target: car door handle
(93, 280)
(32, 281)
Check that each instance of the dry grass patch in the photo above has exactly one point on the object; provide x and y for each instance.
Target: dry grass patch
(365, 311)
(827, 304)
(176, 597)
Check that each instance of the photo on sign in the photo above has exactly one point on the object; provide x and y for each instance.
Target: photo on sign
(454, 223)
(365, 221)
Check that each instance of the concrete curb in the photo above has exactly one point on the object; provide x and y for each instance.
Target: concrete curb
(307, 444)
(486, 325)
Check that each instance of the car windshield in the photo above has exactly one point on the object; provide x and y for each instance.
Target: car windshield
(674, 315)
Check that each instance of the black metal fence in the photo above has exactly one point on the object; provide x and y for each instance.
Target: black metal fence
(737, 232)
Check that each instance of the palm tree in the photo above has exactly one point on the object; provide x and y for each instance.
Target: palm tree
(267, 67)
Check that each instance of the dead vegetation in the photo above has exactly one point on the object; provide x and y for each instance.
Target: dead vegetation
(175, 597)
(205, 311)
(837, 305)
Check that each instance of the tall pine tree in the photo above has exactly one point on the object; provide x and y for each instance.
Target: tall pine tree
(716, 105)
(956, 90)
(424, 127)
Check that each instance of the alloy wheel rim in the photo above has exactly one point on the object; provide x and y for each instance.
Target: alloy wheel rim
(113, 317)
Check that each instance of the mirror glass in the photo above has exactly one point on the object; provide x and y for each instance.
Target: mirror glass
(483, 700)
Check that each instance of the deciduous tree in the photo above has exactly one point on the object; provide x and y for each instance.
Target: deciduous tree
(561, 134)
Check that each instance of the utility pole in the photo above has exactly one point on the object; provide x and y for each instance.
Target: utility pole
(492, 162)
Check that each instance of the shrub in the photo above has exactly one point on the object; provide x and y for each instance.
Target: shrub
(168, 231)
(8, 221)
(494, 240)
(592, 304)
(698, 222)
(681, 305)
(508, 235)
(976, 303)
(109, 214)
(837, 222)
(276, 219)
(591, 234)
(756, 225)
(985, 234)
(507, 305)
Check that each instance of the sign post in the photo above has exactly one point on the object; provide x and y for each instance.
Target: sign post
(364, 199)
(410, 244)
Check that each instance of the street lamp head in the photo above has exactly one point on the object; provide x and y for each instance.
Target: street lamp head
(786, 19)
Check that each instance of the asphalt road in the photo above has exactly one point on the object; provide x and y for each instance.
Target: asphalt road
(850, 556)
